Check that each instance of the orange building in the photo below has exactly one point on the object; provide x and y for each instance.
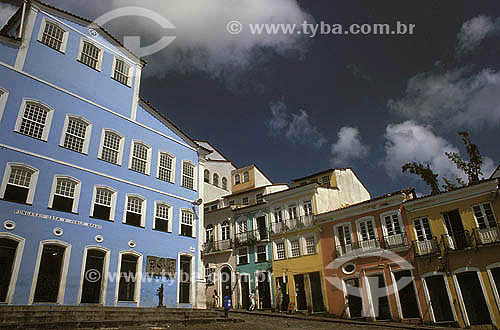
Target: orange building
(365, 248)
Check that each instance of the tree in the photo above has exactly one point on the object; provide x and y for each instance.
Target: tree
(472, 168)
(425, 172)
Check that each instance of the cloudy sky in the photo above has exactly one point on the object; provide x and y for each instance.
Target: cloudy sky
(294, 105)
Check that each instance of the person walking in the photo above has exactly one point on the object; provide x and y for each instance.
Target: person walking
(216, 299)
(279, 304)
(252, 301)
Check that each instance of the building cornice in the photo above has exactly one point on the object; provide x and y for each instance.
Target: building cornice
(485, 187)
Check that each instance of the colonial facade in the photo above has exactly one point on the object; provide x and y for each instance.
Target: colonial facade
(365, 250)
(456, 246)
(297, 254)
(98, 198)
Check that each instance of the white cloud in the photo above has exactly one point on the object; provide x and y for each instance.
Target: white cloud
(6, 12)
(408, 142)
(295, 127)
(453, 98)
(474, 31)
(348, 147)
(203, 42)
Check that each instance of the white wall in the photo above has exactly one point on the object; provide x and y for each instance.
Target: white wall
(223, 169)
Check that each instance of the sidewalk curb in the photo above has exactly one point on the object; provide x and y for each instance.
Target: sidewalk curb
(332, 320)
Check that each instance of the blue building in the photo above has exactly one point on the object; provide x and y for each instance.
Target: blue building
(100, 192)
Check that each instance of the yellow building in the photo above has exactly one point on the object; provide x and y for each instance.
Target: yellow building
(297, 259)
(456, 246)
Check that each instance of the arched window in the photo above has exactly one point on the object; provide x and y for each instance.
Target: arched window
(246, 177)
(104, 203)
(224, 183)
(209, 233)
(65, 194)
(216, 180)
(206, 176)
(34, 119)
(237, 179)
(135, 211)
(225, 231)
(76, 134)
(19, 183)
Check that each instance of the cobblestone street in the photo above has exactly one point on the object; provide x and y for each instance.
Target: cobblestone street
(260, 322)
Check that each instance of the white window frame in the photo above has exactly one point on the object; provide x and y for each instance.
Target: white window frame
(172, 170)
(267, 255)
(194, 221)
(243, 201)
(275, 243)
(229, 230)
(80, 50)
(33, 180)
(358, 227)
(486, 222)
(384, 225)
(393, 273)
(336, 235)
(78, 188)
(289, 247)
(170, 214)
(428, 297)
(64, 270)
(246, 173)
(65, 34)
(302, 206)
(494, 288)
(4, 95)
(138, 281)
(238, 255)
(130, 70)
(88, 132)
(48, 121)
(143, 208)
(195, 174)
(420, 219)
(120, 149)
(148, 161)
(304, 244)
(15, 265)
(239, 176)
(460, 297)
(223, 180)
(281, 211)
(114, 194)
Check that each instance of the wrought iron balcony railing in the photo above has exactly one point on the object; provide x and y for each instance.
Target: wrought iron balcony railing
(395, 241)
(485, 236)
(287, 225)
(217, 246)
(251, 236)
(426, 247)
(456, 241)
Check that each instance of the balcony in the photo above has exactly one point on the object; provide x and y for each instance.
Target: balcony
(368, 244)
(395, 241)
(426, 247)
(456, 241)
(217, 246)
(288, 225)
(344, 249)
(251, 237)
(485, 236)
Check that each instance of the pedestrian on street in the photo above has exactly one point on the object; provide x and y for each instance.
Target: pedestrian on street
(227, 305)
(252, 300)
(216, 299)
(279, 304)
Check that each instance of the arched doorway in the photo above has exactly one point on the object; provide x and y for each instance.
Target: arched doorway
(225, 281)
